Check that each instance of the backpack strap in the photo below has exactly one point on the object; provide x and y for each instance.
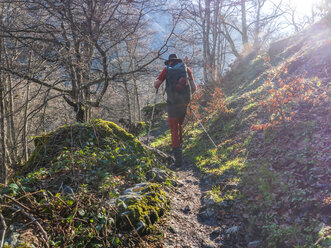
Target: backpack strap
(167, 83)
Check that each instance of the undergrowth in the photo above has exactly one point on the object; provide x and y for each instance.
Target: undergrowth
(71, 184)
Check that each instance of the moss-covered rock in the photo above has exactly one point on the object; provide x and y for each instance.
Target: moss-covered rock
(73, 171)
(157, 175)
(132, 127)
(96, 133)
(160, 109)
(141, 206)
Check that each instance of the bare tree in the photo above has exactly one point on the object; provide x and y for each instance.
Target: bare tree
(299, 20)
(7, 129)
(201, 28)
(224, 29)
(77, 41)
(57, 55)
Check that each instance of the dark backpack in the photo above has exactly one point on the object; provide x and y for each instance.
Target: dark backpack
(177, 84)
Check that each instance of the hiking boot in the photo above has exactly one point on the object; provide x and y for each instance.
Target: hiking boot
(178, 156)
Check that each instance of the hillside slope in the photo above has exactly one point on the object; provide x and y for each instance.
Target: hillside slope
(306, 53)
(271, 169)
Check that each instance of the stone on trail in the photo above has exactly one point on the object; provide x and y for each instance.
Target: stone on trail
(232, 230)
(157, 175)
(208, 244)
(141, 206)
(254, 244)
(187, 209)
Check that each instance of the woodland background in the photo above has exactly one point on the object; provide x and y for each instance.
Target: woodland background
(75, 60)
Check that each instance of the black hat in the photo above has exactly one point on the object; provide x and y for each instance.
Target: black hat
(172, 57)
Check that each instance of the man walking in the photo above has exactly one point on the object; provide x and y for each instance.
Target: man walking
(179, 87)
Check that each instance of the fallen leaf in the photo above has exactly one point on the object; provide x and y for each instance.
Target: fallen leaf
(258, 197)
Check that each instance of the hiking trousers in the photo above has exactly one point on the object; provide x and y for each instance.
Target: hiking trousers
(176, 116)
(176, 128)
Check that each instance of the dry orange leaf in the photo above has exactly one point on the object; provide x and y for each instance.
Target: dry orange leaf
(258, 197)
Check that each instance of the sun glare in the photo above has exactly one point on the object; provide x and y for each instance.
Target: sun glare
(303, 6)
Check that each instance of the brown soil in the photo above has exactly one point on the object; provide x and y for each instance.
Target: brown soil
(184, 227)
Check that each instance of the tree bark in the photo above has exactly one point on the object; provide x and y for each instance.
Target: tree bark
(136, 95)
(3, 161)
(25, 115)
(244, 23)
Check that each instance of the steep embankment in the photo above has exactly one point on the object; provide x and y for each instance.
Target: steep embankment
(269, 177)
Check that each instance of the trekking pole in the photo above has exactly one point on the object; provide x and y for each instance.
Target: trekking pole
(203, 127)
(150, 124)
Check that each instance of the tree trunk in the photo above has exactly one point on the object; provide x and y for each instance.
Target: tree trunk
(205, 38)
(25, 115)
(25, 124)
(244, 23)
(3, 145)
(10, 123)
(9, 106)
(137, 97)
(257, 23)
(231, 42)
(215, 36)
(127, 96)
(80, 113)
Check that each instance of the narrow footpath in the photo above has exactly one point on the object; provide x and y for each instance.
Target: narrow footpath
(185, 226)
(194, 220)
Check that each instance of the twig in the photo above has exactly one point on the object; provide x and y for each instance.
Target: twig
(34, 220)
(79, 219)
(17, 202)
(135, 230)
(4, 206)
(4, 229)
(320, 238)
(28, 194)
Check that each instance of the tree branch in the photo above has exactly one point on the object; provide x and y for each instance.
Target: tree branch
(4, 229)
(26, 77)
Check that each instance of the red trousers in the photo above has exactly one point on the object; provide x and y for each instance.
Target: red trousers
(176, 128)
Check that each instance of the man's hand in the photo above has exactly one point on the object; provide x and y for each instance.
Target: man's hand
(157, 83)
(186, 60)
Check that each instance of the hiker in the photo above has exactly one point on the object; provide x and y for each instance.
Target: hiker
(180, 86)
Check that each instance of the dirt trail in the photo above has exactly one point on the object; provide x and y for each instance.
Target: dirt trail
(190, 223)
(184, 227)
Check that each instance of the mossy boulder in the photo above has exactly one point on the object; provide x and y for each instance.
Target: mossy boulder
(131, 127)
(97, 133)
(141, 206)
(157, 175)
(160, 109)
(73, 171)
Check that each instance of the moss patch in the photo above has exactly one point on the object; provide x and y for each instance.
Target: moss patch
(142, 206)
(97, 133)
